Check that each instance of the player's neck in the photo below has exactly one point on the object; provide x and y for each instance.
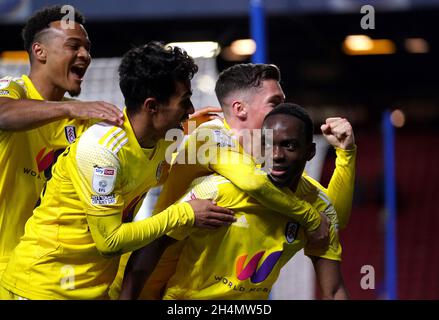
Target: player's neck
(45, 88)
(144, 132)
(238, 128)
(234, 124)
(294, 184)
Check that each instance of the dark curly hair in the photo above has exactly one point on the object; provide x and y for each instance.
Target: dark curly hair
(244, 76)
(291, 109)
(41, 20)
(152, 71)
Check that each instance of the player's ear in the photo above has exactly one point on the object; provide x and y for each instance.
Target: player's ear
(239, 110)
(311, 151)
(150, 105)
(39, 52)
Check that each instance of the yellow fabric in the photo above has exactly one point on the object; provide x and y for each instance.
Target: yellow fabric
(8, 295)
(116, 286)
(71, 242)
(26, 158)
(212, 147)
(244, 260)
(341, 186)
(340, 190)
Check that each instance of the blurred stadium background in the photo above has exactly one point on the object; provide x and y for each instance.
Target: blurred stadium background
(324, 69)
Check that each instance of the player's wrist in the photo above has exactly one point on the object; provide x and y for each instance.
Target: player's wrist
(65, 109)
(348, 148)
(187, 216)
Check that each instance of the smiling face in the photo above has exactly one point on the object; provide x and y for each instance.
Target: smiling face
(67, 56)
(290, 149)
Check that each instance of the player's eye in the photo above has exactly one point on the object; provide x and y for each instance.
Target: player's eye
(73, 46)
(291, 146)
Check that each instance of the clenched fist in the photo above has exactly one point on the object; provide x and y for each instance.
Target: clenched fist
(338, 132)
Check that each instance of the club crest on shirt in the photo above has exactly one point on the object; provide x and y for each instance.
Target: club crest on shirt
(104, 180)
(291, 229)
(70, 133)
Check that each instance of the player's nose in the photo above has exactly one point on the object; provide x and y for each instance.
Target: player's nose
(278, 154)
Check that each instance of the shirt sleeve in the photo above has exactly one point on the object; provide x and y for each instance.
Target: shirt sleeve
(332, 252)
(334, 249)
(100, 184)
(341, 186)
(201, 188)
(112, 237)
(12, 88)
(99, 179)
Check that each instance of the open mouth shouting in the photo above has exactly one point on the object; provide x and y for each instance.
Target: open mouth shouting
(78, 71)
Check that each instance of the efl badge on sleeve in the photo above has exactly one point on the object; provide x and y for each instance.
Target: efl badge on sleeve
(291, 231)
(70, 133)
(104, 180)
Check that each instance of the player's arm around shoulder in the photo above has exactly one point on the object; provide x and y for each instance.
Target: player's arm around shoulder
(26, 114)
(11, 89)
(18, 111)
(233, 163)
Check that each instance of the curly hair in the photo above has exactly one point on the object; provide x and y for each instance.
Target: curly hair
(152, 70)
(291, 109)
(41, 20)
(244, 76)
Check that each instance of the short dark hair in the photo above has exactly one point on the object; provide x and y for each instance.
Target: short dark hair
(152, 70)
(244, 76)
(41, 20)
(297, 111)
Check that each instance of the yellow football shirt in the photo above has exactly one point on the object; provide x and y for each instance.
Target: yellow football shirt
(244, 260)
(26, 159)
(105, 173)
(340, 190)
(341, 186)
(213, 147)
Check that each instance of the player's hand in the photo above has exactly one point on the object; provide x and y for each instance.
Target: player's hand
(98, 110)
(209, 215)
(338, 132)
(202, 115)
(319, 238)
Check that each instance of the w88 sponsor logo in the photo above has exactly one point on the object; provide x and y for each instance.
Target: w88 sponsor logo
(252, 271)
